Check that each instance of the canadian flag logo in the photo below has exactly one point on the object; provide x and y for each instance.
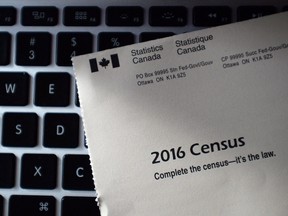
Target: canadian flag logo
(104, 63)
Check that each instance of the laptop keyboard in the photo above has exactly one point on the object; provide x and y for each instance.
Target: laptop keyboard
(44, 162)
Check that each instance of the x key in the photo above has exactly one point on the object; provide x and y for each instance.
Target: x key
(39, 171)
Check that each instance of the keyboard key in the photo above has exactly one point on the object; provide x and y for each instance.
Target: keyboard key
(82, 16)
(39, 171)
(14, 88)
(77, 173)
(61, 130)
(5, 47)
(32, 205)
(211, 15)
(20, 129)
(167, 16)
(250, 12)
(70, 44)
(1, 205)
(147, 36)
(73, 206)
(33, 48)
(85, 142)
(52, 89)
(109, 40)
(7, 170)
(39, 16)
(77, 102)
(7, 16)
(124, 16)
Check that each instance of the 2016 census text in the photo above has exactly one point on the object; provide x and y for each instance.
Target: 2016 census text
(196, 149)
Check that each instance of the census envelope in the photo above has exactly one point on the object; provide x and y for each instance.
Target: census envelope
(194, 124)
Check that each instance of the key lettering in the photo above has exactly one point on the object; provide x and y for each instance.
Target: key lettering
(51, 88)
(10, 87)
(18, 129)
(79, 172)
(37, 171)
(60, 130)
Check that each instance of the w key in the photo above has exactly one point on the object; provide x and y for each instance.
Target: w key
(14, 88)
(33, 48)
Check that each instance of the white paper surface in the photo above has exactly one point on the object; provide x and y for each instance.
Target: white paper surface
(194, 124)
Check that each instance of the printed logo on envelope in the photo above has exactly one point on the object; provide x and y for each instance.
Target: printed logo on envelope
(104, 63)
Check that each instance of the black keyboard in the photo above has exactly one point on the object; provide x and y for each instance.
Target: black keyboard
(44, 163)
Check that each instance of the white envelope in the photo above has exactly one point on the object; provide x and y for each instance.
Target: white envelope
(194, 124)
